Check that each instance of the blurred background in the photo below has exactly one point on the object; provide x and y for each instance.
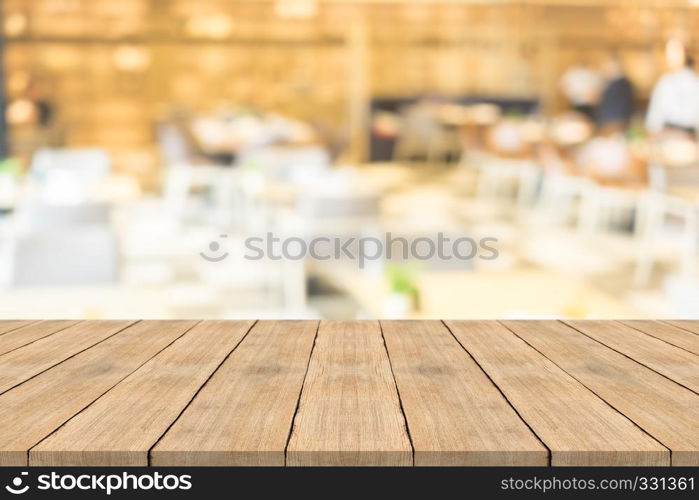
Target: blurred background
(144, 140)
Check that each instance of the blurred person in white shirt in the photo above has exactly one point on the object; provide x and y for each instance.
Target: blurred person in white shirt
(674, 104)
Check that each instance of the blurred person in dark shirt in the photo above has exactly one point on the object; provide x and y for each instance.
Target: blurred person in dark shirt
(615, 108)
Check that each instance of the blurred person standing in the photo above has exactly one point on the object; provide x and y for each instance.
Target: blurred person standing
(582, 85)
(615, 108)
(674, 103)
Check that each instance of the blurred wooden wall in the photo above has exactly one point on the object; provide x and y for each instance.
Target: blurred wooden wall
(112, 67)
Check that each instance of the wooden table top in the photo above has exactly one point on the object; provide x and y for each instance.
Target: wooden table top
(349, 393)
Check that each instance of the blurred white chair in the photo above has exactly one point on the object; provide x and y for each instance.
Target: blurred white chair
(88, 163)
(327, 206)
(64, 176)
(499, 177)
(38, 216)
(421, 135)
(616, 185)
(561, 194)
(674, 193)
(64, 245)
(338, 194)
(600, 206)
(69, 256)
(186, 170)
(293, 164)
(63, 238)
(509, 168)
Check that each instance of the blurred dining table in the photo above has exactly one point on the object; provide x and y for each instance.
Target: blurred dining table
(485, 294)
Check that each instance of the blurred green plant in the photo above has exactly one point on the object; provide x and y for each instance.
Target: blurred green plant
(11, 167)
(252, 166)
(637, 131)
(515, 114)
(402, 279)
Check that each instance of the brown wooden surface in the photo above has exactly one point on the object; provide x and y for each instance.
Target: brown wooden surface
(662, 408)
(9, 325)
(26, 362)
(688, 325)
(123, 425)
(349, 393)
(349, 412)
(455, 414)
(37, 407)
(671, 334)
(243, 414)
(666, 359)
(19, 337)
(554, 404)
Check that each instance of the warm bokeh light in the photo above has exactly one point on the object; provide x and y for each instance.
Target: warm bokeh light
(129, 58)
(215, 26)
(21, 112)
(15, 24)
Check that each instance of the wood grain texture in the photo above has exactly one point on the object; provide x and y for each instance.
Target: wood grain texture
(349, 412)
(243, 415)
(664, 409)
(669, 333)
(673, 362)
(484, 393)
(455, 415)
(122, 426)
(578, 427)
(26, 362)
(31, 333)
(8, 325)
(33, 410)
(686, 324)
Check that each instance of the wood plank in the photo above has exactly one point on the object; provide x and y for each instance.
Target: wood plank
(349, 412)
(31, 333)
(243, 415)
(122, 426)
(578, 427)
(673, 362)
(455, 415)
(26, 362)
(662, 408)
(33, 410)
(669, 333)
(686, 324)
(8, 325)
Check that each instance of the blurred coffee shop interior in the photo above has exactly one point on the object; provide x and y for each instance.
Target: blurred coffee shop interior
(145, 140)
